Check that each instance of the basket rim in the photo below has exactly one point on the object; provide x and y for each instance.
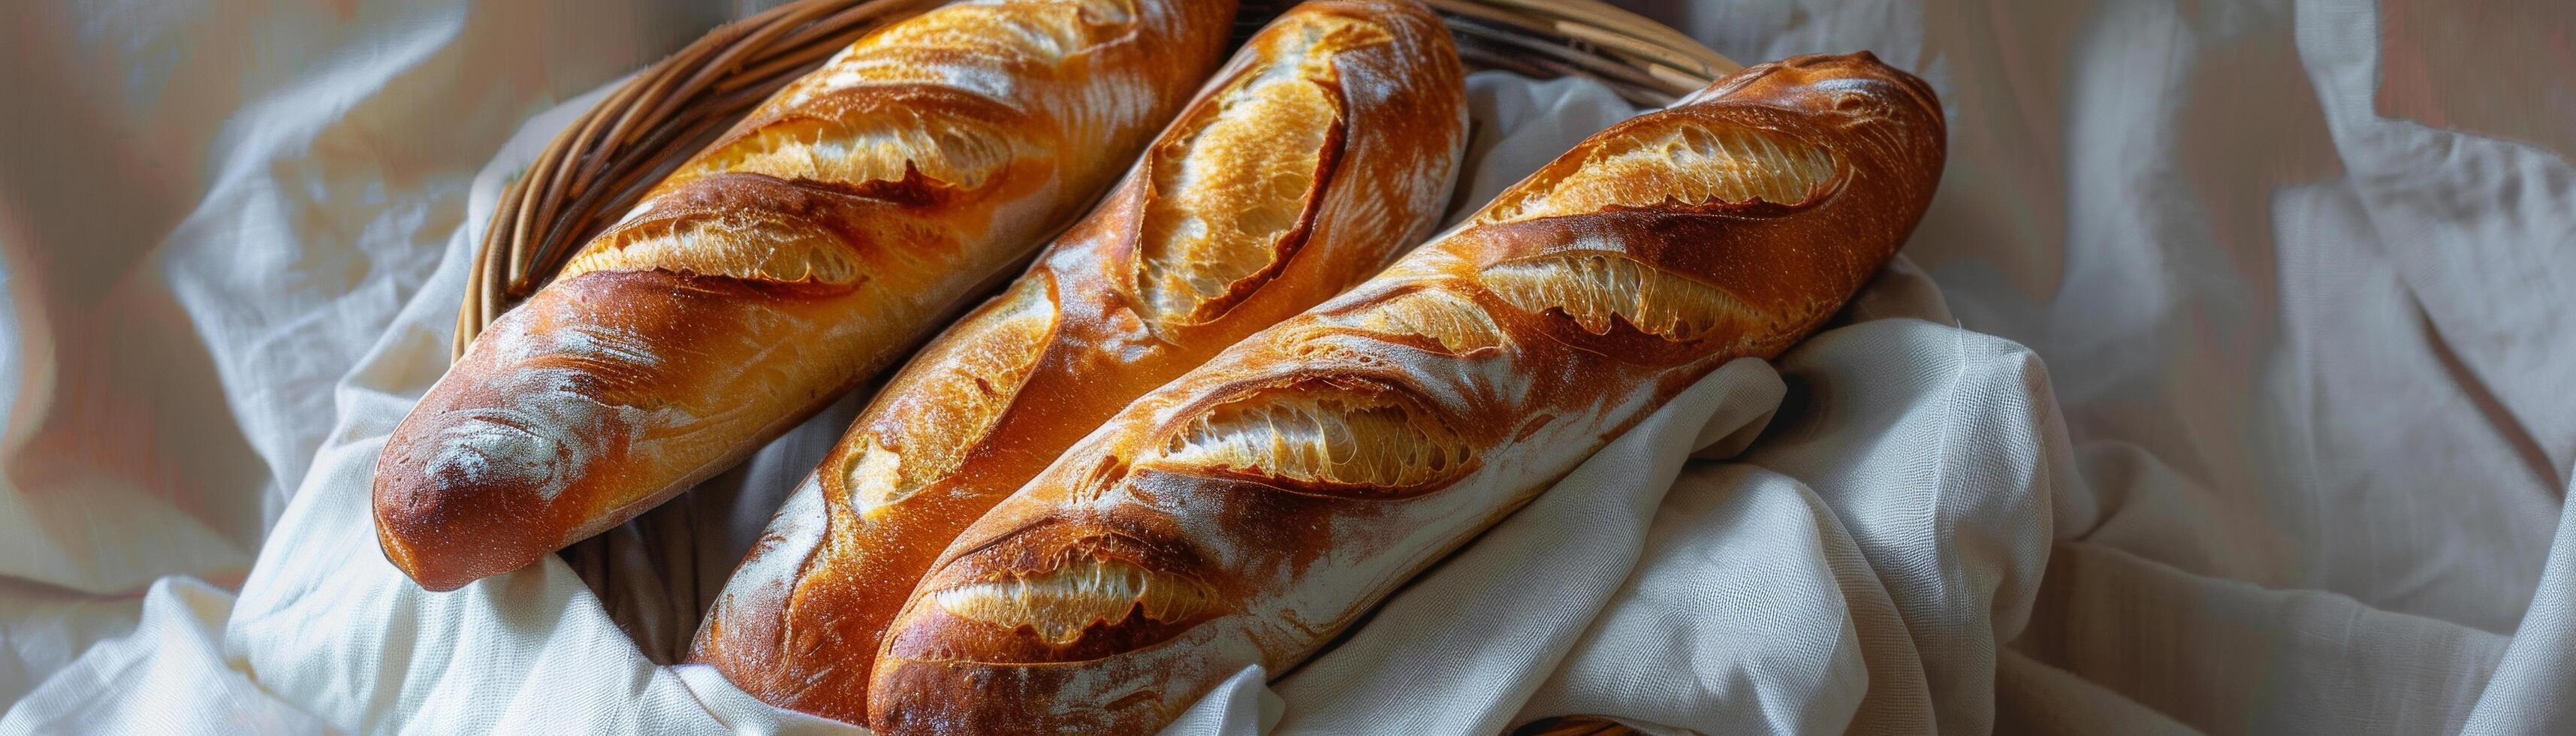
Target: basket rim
(604, 160)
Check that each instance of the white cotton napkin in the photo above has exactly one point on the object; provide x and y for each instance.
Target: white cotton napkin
(1810, 573)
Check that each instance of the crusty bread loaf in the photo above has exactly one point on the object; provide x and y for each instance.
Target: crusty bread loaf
(1253, 508)
(1326, 146)
(802, 252)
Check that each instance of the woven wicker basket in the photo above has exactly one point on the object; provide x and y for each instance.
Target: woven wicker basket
(594, 171)
(600, 164)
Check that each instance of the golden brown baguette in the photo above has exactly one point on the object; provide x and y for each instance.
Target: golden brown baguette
(1252, 509)
(772, 272)
(1328, 144)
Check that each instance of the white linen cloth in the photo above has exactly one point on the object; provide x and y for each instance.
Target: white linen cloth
(2296, 464)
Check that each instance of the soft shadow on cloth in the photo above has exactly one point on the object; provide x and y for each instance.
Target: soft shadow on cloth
(2295, 464)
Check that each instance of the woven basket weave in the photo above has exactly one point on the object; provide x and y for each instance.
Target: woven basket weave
(600, 164)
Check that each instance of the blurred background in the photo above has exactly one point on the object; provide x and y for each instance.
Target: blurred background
(2303, 275)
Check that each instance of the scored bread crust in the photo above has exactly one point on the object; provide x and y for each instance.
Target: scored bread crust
(1327, 145)
(806, 249)
(1251, 510)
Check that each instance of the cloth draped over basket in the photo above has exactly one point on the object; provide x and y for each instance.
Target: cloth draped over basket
(593, 171)
(2296, 463)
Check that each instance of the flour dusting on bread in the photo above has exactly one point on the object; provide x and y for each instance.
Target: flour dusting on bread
(1314, 468)
(1321, 437)
(817, 241)
(540, 442)
(1678, 162)
(1059, 603)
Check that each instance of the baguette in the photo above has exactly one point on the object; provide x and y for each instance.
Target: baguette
(772, 272)
(1327, 144)
(1249, 511)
